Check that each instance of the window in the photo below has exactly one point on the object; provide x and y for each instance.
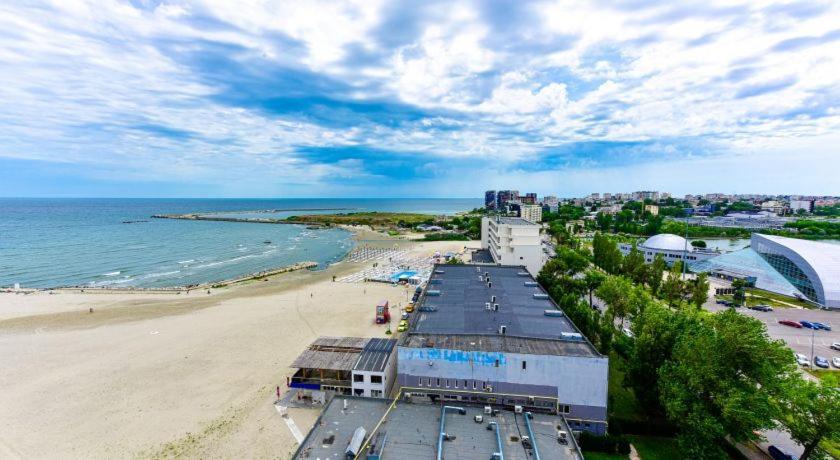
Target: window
(456, 383)
(565, 408)
(447, 383)
(376, 393)
(438, 382)
(497, 363)
(473, 384)
(465, 384)
(376, 379)
(524, 365)
(358, 377)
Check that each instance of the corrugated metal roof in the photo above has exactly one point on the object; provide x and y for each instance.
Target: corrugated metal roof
(375, 355)
(333, 353)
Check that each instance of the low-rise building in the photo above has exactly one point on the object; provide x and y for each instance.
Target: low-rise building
(346, 365)
(491, 333)
(671, 247)
(513, 241)
(652, 209)
(420, 426)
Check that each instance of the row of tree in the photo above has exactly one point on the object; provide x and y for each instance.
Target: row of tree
(713, 376)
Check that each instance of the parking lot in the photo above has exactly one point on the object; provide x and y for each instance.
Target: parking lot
(797, 339)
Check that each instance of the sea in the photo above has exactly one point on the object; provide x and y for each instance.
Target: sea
(108, 242)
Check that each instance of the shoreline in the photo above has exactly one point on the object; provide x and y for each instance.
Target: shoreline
(355, 233)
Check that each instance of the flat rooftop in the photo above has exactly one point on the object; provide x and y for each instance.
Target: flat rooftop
(513, 221)
(453, 313)
(412, 431)
(346, 354)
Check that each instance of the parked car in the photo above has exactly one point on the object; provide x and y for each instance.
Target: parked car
(790, 323)
(761, 307)
(779, 454)
(836, 361)
(403, 326)
(721, 301)
(627, 331)
(404, 315)
(802, 360)
(822, 326)
(820, 361)
(809, 325)
(835, 346)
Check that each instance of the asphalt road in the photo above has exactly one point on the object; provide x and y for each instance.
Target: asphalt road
(799, 340)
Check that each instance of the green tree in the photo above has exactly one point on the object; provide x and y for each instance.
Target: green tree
(593, 279)
(810, 413)
(604, 221)
(700, 290)
(615, 292)
(739, 295)
(656, 271)
(606, 254)
(656, 330)
(633, 266)
(723, 379)
(672, 287)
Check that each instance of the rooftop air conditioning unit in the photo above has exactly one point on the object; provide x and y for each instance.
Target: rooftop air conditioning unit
(517, 409)
(488, 410)
(495, 307)
(489, 284)
(487, 305)
(502, 330)
(492, 298)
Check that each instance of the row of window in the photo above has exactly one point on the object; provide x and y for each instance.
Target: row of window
(450, 383)
(360, 378)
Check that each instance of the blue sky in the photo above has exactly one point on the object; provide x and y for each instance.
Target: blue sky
(390, 98)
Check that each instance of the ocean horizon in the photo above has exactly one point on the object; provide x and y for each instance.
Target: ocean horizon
(114, 242)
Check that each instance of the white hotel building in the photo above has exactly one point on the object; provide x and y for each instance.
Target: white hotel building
(513, 241)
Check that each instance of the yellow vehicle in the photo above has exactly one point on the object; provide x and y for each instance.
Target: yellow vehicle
(403, 326)
(410, 307)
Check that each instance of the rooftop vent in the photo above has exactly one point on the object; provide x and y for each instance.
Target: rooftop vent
(439, 272)
(540, 295)
(553, 313)
(523, 274)
(435, 281)
(495, 307)
(489, 284)
(432, 292)
(502, 330)
(531, 284)
(571, 336)
(492, 298)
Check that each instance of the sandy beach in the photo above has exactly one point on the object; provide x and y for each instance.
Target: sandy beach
(162, 375)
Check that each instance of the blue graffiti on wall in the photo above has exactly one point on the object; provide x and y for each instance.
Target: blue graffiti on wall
(477, 358)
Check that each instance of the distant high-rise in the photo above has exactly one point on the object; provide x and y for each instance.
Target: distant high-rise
(490, 199)
(529, 198)
(506, 196)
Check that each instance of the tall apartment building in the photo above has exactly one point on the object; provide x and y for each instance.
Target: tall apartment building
(490, 199)
(503, 197)
(513, 241)
(531, 213)
(529, 198)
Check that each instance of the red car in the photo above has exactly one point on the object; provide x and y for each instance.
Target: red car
(790, 323)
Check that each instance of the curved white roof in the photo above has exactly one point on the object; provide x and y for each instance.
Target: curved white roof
(819, 261)
(666, 241)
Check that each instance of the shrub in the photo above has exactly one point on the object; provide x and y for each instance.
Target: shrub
(649, 427)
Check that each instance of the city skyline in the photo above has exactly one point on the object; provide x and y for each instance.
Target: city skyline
(209, 99)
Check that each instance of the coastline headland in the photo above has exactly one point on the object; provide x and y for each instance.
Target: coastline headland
(213, 216)
(255, 220)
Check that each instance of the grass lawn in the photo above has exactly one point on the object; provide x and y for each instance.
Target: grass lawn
(603, 456)
(827, 376)
(757, 297)
(653, 448)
